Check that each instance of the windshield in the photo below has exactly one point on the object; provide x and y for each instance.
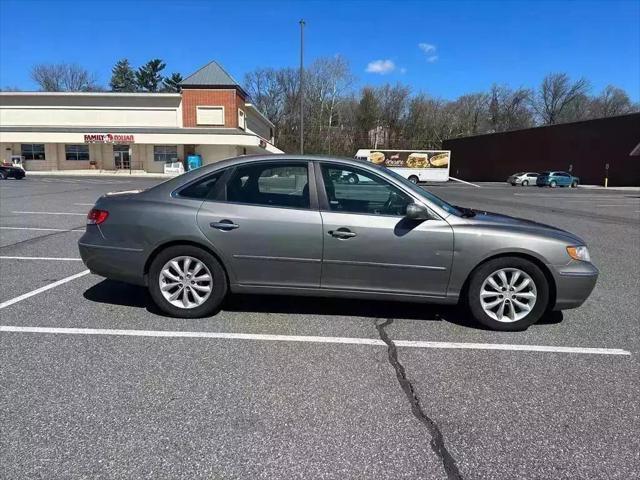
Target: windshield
(422, 192)
(545, 173)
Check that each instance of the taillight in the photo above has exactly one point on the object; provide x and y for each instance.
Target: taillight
(96, 216)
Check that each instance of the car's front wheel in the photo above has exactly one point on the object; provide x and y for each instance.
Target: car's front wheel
(553, 184)
(187, 281)
(3, 175)
(508, 293)
(413, 179)
(574, 184)
(525, 183)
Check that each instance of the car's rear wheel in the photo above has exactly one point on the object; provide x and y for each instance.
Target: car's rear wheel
(574, 184)
(3, 175)
(413, 179)
(553, 184)
(352, 179)
(525, 183)
(508, 293)
(187, 281)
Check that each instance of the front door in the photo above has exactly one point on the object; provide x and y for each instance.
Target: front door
(121, 157)
(264, 225)
(370, 245)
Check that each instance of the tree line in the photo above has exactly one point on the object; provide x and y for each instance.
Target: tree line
(70, 77)
(339, 120)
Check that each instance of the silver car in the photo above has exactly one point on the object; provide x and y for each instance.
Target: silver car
(523, 178)
(290, 225)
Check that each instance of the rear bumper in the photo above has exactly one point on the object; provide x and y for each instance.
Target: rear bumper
(574, 284)
(116, 263)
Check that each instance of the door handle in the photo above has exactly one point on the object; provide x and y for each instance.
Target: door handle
(342, 233)
(224, 225)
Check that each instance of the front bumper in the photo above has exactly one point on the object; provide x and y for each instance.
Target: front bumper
(574, 283)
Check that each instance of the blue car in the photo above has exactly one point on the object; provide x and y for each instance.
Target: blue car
(557, 179)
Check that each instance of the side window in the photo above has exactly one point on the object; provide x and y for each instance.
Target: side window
(270, 184)
(202, 189)
(352, 190)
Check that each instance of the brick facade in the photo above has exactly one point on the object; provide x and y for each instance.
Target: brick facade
(230, 99)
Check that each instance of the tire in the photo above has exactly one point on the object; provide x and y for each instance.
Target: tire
(352, 179)
(218, 283)
(3, 175)
(521, 318)
(413, 179)
(574, 184)
(525, 183)
(553, 184)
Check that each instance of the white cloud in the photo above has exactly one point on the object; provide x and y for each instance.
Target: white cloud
(430, 51)
(381, 67)
(427, 47)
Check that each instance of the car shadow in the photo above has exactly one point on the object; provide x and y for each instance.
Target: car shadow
(118, 293)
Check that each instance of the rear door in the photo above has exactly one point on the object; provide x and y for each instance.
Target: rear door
(368, 243)
(265, 223)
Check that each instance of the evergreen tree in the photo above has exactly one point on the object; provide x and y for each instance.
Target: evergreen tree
(149, 76)
(172, 84)
(123, 78)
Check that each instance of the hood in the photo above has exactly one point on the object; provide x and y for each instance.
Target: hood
(505, 221)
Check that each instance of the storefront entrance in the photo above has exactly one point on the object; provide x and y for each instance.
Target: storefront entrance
(122, 157)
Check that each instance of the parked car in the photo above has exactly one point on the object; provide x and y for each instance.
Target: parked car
(557, 179)
(523, 178)
(288, 225)
(10, 171)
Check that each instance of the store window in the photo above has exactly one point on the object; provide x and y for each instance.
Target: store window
(76, 152)
(32, 151)
(165, 153)
(210, 116)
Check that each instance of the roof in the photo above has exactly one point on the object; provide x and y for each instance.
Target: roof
(211, 75)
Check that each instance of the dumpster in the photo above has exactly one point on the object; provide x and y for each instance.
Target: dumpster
(194, 161)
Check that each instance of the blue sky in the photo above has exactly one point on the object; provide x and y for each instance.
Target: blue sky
(442, 48)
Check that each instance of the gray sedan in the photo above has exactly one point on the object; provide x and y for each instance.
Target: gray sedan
(290, 225)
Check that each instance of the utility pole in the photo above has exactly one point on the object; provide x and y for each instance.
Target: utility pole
(302, 23)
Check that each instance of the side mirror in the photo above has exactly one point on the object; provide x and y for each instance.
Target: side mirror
(417, 212)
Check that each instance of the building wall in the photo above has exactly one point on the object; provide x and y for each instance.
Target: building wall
(584, 146)
(193, 98)
(215, 153)
(111, 110)
(256, 125)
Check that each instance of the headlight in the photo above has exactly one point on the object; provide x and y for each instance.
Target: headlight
(579, 253)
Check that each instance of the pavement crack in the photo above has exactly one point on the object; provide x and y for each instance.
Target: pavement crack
(39, 238)
(437, 439)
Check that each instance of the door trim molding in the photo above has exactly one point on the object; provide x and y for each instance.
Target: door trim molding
(277, 259)
(384, 265)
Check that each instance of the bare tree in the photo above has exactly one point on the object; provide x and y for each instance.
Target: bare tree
(509, 109)
(611, 101)
(63, 77)
(555, 95)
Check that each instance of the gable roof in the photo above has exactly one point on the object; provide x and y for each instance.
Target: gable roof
(211, 75)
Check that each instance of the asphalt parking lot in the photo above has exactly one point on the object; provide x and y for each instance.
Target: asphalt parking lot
(95, 383)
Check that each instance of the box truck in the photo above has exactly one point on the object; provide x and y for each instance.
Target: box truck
(414, 165)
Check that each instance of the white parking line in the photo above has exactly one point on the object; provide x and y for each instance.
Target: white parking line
(85, 204)
(43, 229)
(42, 289)
(312, 339)
(465, 182)
(50, 213)
(615, 205)
(61, 259)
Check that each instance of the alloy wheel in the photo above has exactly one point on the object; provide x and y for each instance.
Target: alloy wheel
(508, 295)
(185, 282)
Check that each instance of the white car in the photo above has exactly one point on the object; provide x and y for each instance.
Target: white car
(523, 178)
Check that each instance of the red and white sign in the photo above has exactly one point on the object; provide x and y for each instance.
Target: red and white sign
(108, 138)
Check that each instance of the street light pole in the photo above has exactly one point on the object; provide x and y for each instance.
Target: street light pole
(302, 23)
